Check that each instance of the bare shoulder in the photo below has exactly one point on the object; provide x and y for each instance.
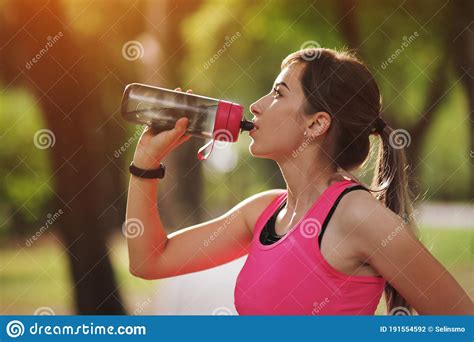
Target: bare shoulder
(358, 204)
(254, 205)
(366, 218)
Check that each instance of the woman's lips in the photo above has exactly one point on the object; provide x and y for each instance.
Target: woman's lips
(254, 129)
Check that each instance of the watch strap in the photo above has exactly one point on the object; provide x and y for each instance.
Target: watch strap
(150, 174)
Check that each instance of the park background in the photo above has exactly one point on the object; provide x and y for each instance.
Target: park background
(65, 148)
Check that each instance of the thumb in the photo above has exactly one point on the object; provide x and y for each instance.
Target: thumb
(181, 124)
(178, 130)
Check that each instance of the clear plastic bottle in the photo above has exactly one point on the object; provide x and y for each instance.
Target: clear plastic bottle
(160, 108)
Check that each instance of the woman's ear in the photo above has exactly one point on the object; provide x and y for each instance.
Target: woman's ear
(319, 124)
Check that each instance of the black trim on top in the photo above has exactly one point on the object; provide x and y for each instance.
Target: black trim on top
(274, 217)
(268, 234)
(333, 208)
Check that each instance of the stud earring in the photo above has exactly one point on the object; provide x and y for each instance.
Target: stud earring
(305, 133)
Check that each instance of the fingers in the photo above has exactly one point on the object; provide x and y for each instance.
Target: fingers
(181, 125)
(175, 142)
(177, 132)
(147, 131)
(189, 91)
(183, 139)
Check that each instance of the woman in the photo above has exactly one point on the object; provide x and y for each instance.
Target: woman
(315, 124)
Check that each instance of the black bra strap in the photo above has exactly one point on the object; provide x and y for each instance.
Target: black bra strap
(333, 208)
(272, 221)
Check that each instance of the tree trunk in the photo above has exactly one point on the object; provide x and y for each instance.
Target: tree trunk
(433, 97)
(181, 191)
(69, 83)
(463, 47)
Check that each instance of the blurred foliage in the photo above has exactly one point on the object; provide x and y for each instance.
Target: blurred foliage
(267, 32)
(24, 168)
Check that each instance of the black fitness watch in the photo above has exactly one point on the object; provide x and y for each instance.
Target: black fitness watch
(149, 174)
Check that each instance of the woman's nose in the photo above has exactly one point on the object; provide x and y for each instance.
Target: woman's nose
(254, 109)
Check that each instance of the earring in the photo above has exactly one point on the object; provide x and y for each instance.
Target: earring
(305, 133)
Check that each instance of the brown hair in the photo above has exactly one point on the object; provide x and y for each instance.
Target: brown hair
(338, 83)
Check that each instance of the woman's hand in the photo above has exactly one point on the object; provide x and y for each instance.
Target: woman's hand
(151, 149)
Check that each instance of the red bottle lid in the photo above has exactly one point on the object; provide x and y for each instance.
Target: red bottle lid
(226, 126)
(227, 123)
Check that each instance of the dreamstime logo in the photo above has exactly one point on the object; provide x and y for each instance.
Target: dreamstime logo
(317, 307)
(222, 138)
(44, 138)
(228, 42)
(399, 139)
(307, 141)
(399, 311)
(49, 222)
(310, 227)
(132, 228)
(141, 306)
(221, 228)
(399, 228)
(303, 146)
(222, 311)
(132, 50)
(15, 329)
(406, 43)
(51, 41)
(118, 152)
(44, 311)
(310, 50)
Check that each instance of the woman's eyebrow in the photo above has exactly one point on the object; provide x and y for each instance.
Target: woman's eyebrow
(283, 84)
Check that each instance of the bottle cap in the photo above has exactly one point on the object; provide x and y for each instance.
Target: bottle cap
(227, 126)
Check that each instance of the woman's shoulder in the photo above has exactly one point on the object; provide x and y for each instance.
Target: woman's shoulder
(362, 213)
(257, 203)
(357, 204)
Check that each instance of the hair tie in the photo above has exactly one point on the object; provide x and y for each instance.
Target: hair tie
(379, 125)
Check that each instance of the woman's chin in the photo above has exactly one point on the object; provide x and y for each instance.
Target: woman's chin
(253, 149)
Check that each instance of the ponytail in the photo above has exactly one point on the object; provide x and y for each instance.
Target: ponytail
(391, 180)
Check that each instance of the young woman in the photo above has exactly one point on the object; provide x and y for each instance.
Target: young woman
(326, 244)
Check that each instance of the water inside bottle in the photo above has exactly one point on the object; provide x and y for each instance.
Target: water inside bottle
(161, 119)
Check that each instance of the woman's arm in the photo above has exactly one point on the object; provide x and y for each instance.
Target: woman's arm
(392, 249)
(155, 255)
(144, 243)
(146, 237)
(152, 253)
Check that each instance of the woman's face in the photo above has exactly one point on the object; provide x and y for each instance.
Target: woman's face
(279, 117)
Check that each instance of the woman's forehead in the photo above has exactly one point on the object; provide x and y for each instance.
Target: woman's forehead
(291, 75)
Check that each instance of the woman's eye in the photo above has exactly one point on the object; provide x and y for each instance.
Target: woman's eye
(277, 93)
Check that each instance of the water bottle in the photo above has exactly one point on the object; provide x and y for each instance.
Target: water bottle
(208, 118)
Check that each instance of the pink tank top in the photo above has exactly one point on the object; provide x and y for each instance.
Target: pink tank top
(291, 277)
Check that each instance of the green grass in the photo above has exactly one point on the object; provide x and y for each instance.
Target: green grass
(454, 249)
(38, 276)
(450, 246)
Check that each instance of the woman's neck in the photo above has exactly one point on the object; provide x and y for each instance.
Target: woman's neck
(305, 183)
